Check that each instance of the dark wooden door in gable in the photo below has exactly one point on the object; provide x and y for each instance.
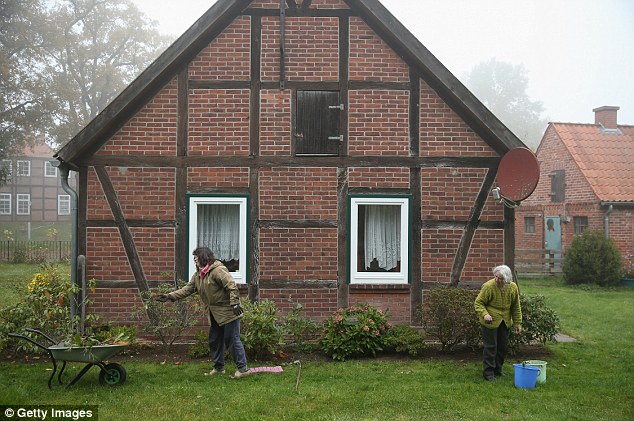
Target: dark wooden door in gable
(317, 123)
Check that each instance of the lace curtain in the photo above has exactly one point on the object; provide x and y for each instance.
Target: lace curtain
(383, 235)
(219, 229)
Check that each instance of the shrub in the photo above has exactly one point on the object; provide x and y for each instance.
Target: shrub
(405, 339)
(539, 323)
(169, 320)
(356, 331)
(200, 348)
(628, 265)
(261, 334)
(302, 332)
(45, 307)
(592, 258)
(450, 317)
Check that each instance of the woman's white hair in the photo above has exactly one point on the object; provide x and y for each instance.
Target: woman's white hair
(505, 272)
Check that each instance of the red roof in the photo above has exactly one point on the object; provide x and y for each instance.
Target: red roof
(40, 150)
(605, 157)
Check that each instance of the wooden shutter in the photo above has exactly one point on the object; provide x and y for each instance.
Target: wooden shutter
(317, 123)
(558, 186)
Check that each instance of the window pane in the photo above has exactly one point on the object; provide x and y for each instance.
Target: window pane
(379, 238)
(529, 225)
(5, 204)
(580, 223)
(63, 204)
(23, 204)
(219, 229)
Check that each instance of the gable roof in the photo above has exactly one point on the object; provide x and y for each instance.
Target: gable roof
(604, 157)
(36, 150)
(222, 13)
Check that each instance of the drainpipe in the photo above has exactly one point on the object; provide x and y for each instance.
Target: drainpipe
(64, 173)
(606, 221)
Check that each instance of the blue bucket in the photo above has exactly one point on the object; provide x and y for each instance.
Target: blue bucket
(525, 376)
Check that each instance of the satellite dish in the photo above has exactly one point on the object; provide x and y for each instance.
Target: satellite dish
(518, 174)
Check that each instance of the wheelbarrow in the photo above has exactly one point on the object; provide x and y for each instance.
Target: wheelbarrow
(110, 374)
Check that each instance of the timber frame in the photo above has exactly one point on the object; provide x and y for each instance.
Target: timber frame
(79, 154)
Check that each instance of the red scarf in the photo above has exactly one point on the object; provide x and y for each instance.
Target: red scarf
(203, 271)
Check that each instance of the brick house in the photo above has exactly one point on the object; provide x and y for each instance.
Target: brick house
(587, 183)
(322, 152)
(33, 199)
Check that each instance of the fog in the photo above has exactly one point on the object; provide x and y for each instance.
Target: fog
(579, 54)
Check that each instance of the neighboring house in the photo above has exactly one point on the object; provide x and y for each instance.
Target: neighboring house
(322, 152)
(587, 182)
(33, 197)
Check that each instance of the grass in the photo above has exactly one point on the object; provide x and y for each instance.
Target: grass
(14, 277)
(591, 379)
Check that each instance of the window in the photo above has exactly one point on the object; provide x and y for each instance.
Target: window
(379, 240)
(23, 204)
(5, 204)
(317, 123)
(529, 225)
(220, 223)
(557, 186)
(49, 170)
(580, 224)
(63, 204)
(24, 168)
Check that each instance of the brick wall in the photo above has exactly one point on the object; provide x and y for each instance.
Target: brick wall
(378, 122)
(228, 57)
(303, 254)
(378, 178)
(275, 122)
(371, 58)
(152, 131)
(218, 122)
(298, 193)
(312, 49)
(443, 132)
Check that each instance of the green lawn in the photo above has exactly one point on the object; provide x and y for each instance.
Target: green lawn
(591, 379)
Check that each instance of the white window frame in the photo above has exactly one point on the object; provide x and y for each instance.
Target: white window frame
(49, 170)
(63, 199)
(5, 199)
(402, 277)
(240, 276)
(21, 198)
(23, 168)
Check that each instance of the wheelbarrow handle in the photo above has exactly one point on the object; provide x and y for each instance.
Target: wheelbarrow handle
(53, 341)
(26, 338)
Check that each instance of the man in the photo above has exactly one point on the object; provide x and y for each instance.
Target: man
(220, 297)
(498, 306)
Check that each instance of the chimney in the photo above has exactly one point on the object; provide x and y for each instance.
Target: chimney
(606, 116)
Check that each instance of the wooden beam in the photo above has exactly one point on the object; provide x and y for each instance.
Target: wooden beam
(342, 238)
(415, 274)
(472, 225)
(180, 205)
(124, 231)
(243, 161)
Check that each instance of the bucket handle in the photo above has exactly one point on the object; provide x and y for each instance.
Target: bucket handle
(539, 369)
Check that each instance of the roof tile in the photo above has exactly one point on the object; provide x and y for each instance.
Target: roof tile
(605, 158)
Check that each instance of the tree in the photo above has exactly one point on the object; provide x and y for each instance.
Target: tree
(502, 88)
(21, 113)
(63, 61)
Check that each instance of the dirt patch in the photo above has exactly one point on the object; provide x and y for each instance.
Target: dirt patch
(147, 352)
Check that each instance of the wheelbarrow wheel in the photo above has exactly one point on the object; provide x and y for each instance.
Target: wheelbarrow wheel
(112, 374)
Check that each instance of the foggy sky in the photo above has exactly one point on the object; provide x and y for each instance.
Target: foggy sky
(579, 54)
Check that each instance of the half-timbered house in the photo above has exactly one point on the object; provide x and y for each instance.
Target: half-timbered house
(323, 153)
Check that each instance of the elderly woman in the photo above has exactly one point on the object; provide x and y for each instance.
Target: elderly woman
(498, 307)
